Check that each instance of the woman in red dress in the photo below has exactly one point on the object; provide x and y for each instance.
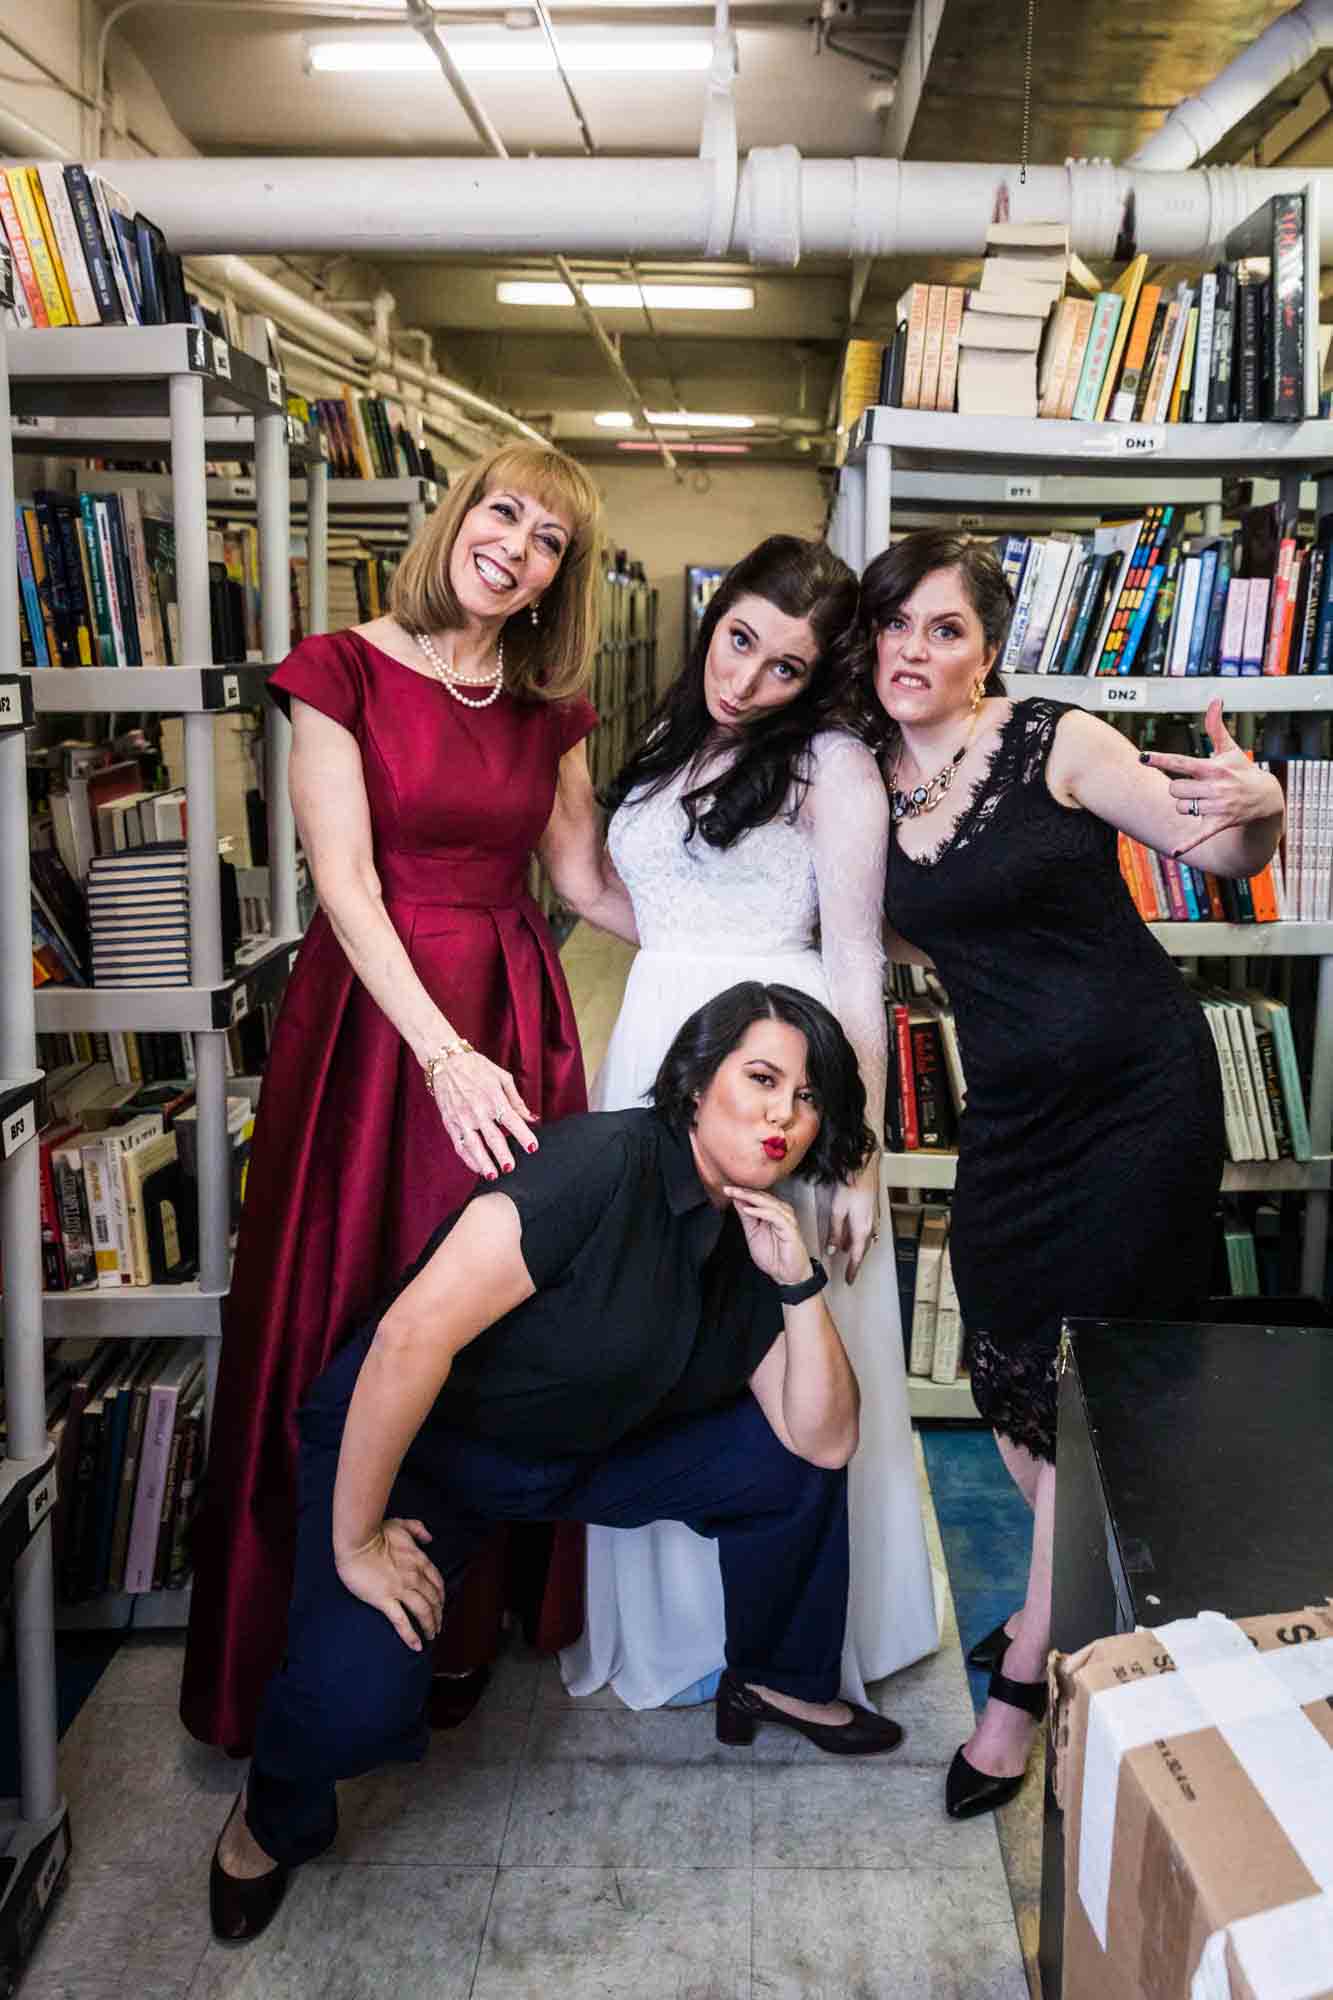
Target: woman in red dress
(426, 1025)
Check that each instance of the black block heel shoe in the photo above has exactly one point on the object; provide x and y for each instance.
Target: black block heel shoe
(988, 1653)
(453, 1697)
(740, 1711)
(241, 1909)
(968, 1791)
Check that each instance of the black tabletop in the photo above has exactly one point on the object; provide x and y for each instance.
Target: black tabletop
(1214, 1446)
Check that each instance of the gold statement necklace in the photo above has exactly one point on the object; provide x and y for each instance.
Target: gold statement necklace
(924, 798)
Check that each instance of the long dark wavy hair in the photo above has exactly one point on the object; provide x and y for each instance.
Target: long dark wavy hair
(804, 580)
(892, 577)
(704, 1042)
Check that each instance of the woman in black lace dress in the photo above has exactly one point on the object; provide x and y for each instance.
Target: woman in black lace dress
(1092, 1144)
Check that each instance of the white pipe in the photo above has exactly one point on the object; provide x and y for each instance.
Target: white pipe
(264, 294)
(1202, 121)
(20, 140)
(788, 208)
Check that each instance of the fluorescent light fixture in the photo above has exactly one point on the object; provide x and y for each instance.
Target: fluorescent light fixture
(715, 450)
(627, 298)
(699, 420)
(517, 54)
(692, 420)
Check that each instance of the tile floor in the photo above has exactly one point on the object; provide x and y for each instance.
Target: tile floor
(549, 1846)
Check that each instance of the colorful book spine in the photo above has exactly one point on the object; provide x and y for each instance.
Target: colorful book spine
(1105, 317)
(38, 249)
(18, 250)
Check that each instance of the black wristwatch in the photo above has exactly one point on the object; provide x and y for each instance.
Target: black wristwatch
(794, 1295)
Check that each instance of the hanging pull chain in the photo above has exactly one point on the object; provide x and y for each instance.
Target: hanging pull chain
(1027, 96)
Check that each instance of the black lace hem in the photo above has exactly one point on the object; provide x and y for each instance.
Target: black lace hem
(1014, 1386)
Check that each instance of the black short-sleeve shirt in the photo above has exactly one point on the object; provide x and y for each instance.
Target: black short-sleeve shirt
(648, 1306)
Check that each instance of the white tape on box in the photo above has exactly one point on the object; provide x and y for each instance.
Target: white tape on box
(1254, 1701)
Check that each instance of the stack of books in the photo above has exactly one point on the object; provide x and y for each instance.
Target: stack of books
(367, 437)
(139, 916)
(926, 1089)
(1307, 846)
(932, 1323)
(1140, 597)
(919, 370)
(1169, 891)
(1238, 343)
(1022, 279)
(82, 256)
(127, 1421)
(97, 580)
(1264, 1106)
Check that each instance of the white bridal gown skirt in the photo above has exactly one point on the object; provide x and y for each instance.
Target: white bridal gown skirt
(654, 1623)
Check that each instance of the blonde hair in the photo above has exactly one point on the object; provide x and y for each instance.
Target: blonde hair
(553, 658)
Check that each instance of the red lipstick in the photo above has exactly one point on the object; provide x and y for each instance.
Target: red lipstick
(776, 1148)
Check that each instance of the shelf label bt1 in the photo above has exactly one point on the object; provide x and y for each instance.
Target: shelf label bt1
(1022, 489)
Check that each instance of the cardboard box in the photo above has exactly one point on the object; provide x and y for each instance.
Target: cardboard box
(1194, 1766)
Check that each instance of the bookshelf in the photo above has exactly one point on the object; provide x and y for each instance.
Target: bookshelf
(176, 393)
(912, 462)
(34, 1828)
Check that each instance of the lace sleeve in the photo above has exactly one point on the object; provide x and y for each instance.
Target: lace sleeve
(848, 808)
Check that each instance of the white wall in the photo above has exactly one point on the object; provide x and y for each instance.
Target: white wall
(665, 526)
(62, 33)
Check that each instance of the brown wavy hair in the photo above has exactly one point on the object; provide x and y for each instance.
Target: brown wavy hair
(552, 659)
(892, 577)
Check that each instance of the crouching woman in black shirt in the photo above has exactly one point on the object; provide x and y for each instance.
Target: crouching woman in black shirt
(632, 1330)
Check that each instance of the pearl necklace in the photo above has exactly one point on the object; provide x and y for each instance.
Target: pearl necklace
(453, 682)
(925, 798)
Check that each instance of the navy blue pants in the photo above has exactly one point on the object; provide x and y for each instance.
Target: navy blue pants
(350, 1695)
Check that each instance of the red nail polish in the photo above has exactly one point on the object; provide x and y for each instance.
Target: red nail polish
(508, 1167)
(533, 1147)
(490, 1177)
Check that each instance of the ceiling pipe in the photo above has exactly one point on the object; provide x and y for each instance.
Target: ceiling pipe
(261, 293)
(423, 20)
(787, 208)
(1201, 122)
(255, 289)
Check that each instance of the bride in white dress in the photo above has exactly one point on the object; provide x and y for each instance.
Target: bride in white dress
(752, 837)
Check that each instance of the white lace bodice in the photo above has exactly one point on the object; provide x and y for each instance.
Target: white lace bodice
(813, 884)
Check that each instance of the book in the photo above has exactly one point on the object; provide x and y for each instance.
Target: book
(913, 307)
(1127, 288)
(1105, 319)
(1136, 350)
(948, 1344)
(68, 245)
(21, 182)
(930, 1256)
(1276, 232)
(905, 1220)
(954, 304)
(162, 1387)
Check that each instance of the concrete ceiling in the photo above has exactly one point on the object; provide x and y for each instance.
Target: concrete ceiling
(1105, 73)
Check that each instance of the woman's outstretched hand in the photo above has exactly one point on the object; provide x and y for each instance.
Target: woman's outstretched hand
(482, 1110)
(1221, 791)
(854, 1218)
(391, 1574)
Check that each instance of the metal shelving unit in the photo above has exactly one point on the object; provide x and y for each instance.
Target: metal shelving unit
(917, 462)
(34, 1828)
(178, 393)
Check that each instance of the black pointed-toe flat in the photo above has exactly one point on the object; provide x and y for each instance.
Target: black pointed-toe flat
(241, 1909)
(740, 1711)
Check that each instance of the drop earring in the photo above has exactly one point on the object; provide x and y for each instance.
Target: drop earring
(978, 696)
(533, 611)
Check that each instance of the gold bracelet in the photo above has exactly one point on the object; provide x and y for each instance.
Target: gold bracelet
(432, 1063)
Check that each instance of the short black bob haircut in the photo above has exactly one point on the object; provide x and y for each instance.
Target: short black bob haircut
(844, 1141)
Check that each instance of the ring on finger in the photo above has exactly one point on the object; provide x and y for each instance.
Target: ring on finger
(1192, 808)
